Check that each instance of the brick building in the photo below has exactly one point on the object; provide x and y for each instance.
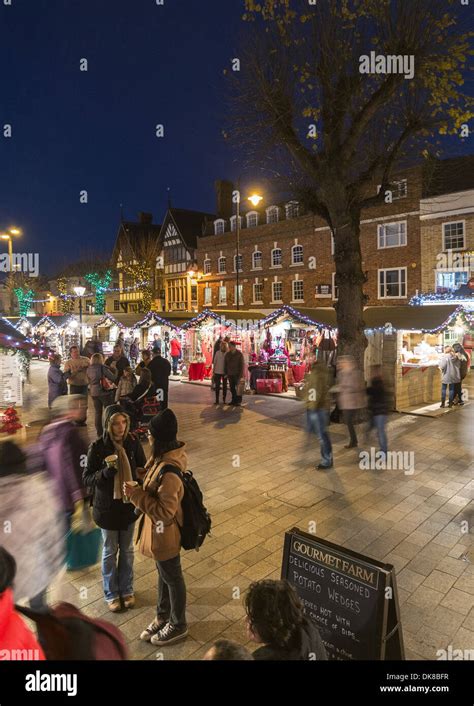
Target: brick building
(287, 255)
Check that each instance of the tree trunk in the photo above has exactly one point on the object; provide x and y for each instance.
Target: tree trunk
(349, 280)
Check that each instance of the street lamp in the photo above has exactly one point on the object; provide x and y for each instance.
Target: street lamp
(80, 291)
(254, 200)
(8, 236)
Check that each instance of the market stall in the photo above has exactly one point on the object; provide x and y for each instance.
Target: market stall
(286, 341)
(109, 328)
(408, 341)
(15, 355)
(57, 336)
(156, 328)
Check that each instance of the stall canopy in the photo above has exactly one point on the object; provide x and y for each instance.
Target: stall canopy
(154, 319)
(319, 316)
(428, 319)
(10, 337)
(123, 321)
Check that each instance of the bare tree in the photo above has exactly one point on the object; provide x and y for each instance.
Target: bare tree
(303, 101)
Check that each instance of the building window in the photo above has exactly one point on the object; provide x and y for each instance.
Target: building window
(292, 209)
(252, 219)
(297, 255)
(332, 244)
(233, 223)
(399, 189)
(207, 267)
(207, 295)
(194, 294)
(276, 257)
(219, 226)
(241, 293)
(257, 260)
(222, 295)
(116, 305)
(277, 292)
(453, 236)
(258, 293)
(221, 265)
(450, 281)
(298, 295)
(335, 290)
(238, 259)
(273, 214)
(393, 283)
(392, 235)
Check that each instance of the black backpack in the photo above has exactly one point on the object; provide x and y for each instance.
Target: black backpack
(196, 519)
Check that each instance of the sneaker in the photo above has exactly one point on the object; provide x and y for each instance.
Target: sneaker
(320, 466)
(114, 606)
(154, 627)
(129, 601)
(169, 635)
(442, 405)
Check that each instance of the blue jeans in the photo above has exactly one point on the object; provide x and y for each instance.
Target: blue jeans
(117, 576)
(379, 421)
(317, 422)
(444, 385)
(175, 359)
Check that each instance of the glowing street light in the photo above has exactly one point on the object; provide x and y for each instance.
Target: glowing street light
(80, 291)
(8, 236)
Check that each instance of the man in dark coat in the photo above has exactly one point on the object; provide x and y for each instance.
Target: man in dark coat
(160, 370)
(117, 361)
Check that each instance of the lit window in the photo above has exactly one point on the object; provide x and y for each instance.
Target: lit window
(292, 209)
(450, 281)
(241, 294)
(276, 257)
(222, 295)
(297, 255)
(273, 214)
(453, 236)
(257, 260)
(393, 283)
(252, 219)
(207, 295)
(392, 235)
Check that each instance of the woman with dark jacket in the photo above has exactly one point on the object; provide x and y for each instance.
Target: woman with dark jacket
(144, 388)
(104, 477)
(275, 618)
(100, 398)
(57, 384)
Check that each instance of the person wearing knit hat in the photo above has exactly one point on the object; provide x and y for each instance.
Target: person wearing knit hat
(160, 500)
(112, 461)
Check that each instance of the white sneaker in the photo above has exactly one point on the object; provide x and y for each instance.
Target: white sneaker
(154, 627)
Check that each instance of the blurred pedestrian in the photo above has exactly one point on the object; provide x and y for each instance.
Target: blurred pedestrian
(17, 642)
(64, 447)
(134, 351)
(112, 461)
(101, 398)
(351, 394)
(32, 521)
(318, 402)
(76, 372)
(160, 501)
(234, 370)
(378, 406)
(57, 384)
(463, 370)
(275, 618)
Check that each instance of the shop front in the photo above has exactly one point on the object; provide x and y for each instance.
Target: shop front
(409, 343)
(154, 329)
(286, 341)
(110, 328)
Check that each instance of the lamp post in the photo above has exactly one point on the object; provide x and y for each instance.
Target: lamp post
(254, 200)
(80, 291)
(8, 236)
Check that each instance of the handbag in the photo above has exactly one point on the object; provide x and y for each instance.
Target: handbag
(82, 546)
(106, 384)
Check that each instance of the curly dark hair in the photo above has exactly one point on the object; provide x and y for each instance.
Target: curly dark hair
(275, 612)
(7, 570)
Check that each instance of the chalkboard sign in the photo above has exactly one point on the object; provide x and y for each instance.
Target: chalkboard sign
(352, 599)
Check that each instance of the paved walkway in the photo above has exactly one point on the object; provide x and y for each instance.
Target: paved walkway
(257, 470)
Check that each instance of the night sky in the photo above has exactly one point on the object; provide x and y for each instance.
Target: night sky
(95, 130)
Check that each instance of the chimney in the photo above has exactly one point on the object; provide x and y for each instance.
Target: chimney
(224, 198)
(145, 218)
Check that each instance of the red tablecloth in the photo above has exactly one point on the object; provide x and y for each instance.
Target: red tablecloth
(298, 372)
(197, 371)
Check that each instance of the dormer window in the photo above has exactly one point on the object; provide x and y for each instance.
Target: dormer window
(273, 214)
(252, 219)
(219, 226)
(292, 209)
(233, 223)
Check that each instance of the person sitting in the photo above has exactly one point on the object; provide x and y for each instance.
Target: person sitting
(144, 388)
(275, 618)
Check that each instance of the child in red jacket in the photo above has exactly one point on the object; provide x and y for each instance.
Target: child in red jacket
(17, 642)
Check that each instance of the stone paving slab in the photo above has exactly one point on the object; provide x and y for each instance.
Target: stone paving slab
(412, 521)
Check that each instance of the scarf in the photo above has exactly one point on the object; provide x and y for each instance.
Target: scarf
(124, 472)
